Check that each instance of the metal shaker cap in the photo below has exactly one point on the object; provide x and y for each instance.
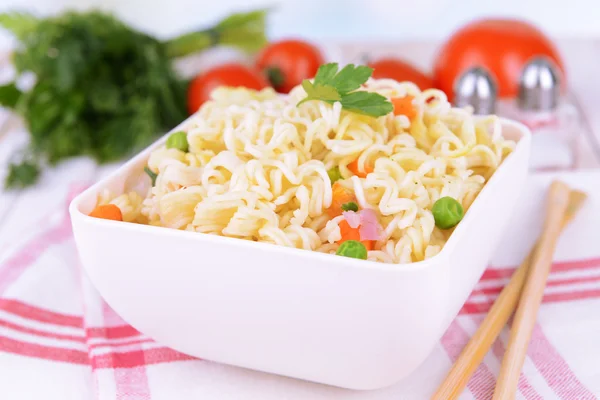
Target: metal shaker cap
(476, 88)
(539, 86)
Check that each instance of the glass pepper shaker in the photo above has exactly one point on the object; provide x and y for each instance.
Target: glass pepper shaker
(552, 120)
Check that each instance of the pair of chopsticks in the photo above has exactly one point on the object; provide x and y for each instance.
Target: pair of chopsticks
(526, 288)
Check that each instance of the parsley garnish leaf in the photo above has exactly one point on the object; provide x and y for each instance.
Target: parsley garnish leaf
(316, 91)
(350, 78)
(326, 73)
(367, 103)
(331, 85)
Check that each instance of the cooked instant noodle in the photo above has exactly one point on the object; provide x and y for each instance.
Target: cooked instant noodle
(258, 167)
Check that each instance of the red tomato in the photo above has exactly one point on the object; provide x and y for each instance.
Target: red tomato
(288, 62)
(232, 75)
(399, 70)
(502, 46)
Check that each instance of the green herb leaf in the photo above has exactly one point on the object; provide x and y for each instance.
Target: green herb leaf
(351, 78)
(330, 86)
(22, 175)
(320, 92)
(367, 103)
(151, 174)
(103, 89)
(20, 24)
(326, 73)
(9, 95)
(352, 206)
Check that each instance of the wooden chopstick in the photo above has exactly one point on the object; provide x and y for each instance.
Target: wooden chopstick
(531, 298)
(496, 319)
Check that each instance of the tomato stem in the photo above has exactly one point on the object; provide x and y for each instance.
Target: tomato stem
(275, 76)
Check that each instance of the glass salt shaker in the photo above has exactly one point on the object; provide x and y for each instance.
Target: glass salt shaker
(552, 120)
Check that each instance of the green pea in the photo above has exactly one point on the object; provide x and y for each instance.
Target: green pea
(352, 249)
(334, 174)
(178, 140)
(352, 206)
(447, 212)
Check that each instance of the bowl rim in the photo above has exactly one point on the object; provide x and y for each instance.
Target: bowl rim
(75, 213)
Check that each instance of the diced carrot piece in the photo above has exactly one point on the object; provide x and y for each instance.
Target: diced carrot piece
(349, 233)
(404, 106)
(340, 196)
(353, 167)
(107, 211)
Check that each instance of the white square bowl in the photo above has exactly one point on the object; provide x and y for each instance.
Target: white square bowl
(335, 320)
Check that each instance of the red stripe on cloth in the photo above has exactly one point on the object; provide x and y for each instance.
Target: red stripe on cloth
(133, 359)
(552, 283)
(554, 368)
(479, 307)
(74, 338)
(113, 332)
(482, 382)
(498, 273)
(39, 314)
(44, 352)
(37, 332)
(35, 313)
(131, 383)
(129, 359)
(570, 296)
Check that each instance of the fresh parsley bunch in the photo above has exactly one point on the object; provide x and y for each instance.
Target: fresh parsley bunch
(331, 85)
(102, 88)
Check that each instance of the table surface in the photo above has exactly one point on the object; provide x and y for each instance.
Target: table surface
(20, 211)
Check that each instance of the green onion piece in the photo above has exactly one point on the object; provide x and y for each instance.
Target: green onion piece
(178, 140)
(447, 212)
(352, 206)
(334, 174)
(151, 174)
(352, 249)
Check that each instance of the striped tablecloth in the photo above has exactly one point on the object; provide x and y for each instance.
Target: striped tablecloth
(59, 340)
